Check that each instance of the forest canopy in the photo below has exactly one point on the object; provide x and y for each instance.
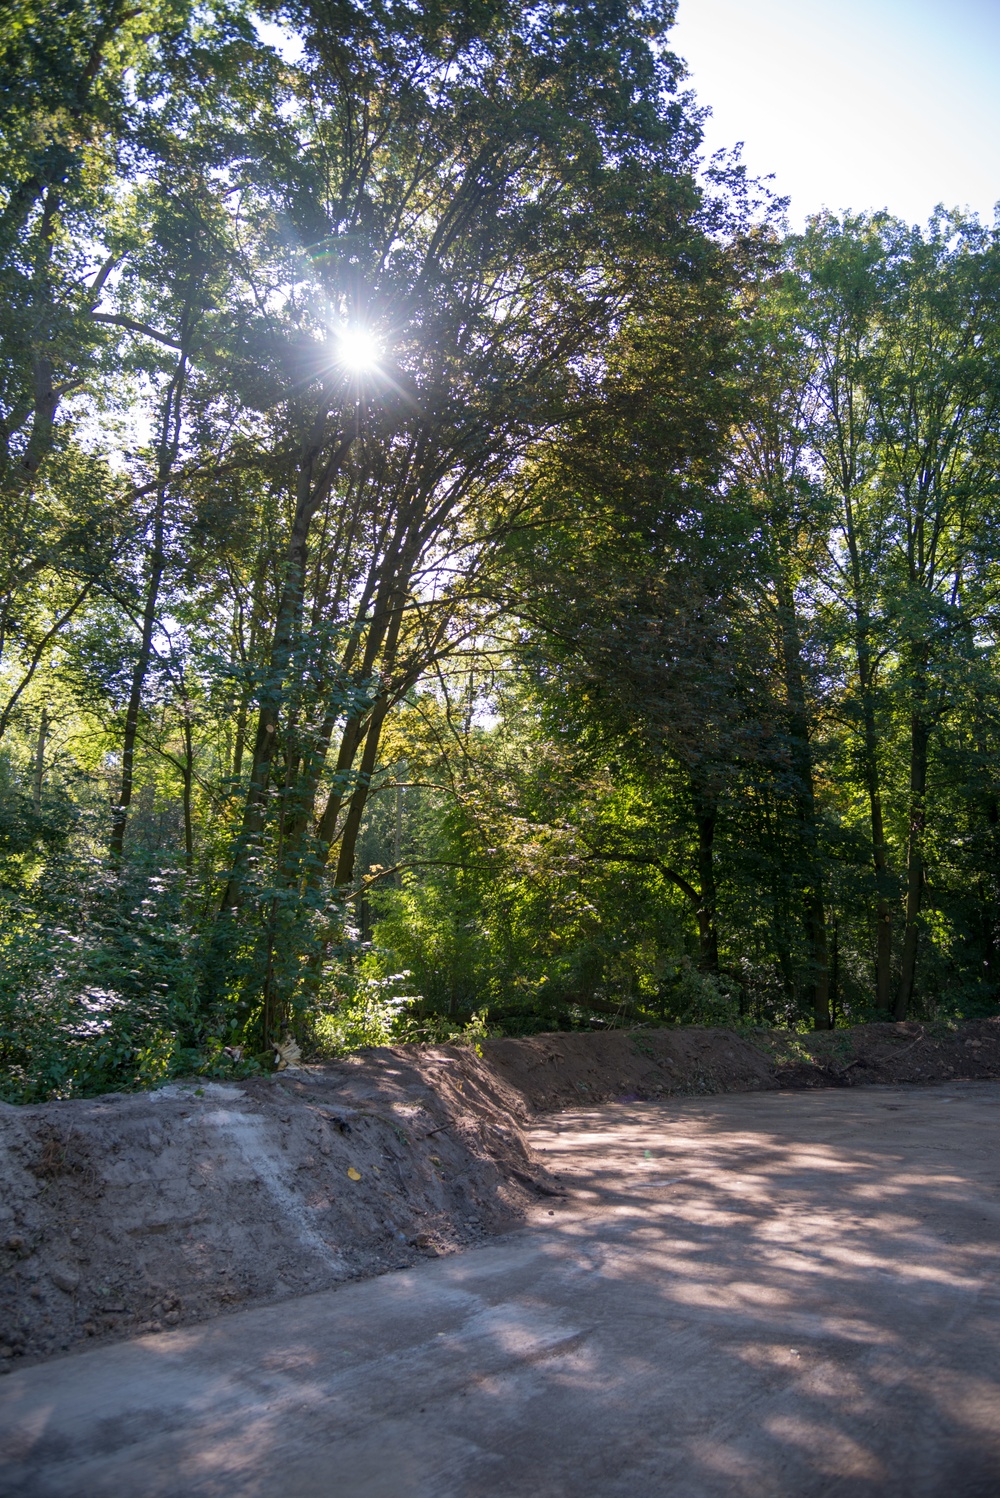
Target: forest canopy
(464, 564)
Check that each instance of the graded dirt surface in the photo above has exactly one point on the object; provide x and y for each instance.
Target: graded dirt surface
(774, 1295)
(142, 1212)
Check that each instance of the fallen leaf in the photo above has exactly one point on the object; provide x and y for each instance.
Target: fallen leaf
(355, 1175)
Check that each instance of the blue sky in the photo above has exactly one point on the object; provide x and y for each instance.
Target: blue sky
(854, 103)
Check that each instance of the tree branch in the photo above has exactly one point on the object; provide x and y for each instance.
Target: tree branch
(130, 324)
(39, 652)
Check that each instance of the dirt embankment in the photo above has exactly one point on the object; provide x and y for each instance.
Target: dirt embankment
(131, 1213)
(565, 1070)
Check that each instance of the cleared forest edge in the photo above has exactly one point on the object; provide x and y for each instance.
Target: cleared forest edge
(131, 1213)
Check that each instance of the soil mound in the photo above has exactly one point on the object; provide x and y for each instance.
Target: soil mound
(563, 1070)
(130, 1213)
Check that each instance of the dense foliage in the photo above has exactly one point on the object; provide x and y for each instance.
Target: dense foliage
(461, 565)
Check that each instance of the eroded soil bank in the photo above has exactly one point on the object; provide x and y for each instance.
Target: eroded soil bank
(140, 1212)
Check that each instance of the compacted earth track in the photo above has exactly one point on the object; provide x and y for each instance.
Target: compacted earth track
(767, 1295)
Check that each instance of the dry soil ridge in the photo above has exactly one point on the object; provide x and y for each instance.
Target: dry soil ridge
(141, 1211)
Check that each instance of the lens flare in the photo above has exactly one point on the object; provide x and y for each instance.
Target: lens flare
(358, 350)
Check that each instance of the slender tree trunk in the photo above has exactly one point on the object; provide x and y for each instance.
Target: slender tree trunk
(277, 995)
(706, 809)
(157, 562)
(834, 972)
(769, 833)
(919, 740)
(186, 782)
(45, 399)
(239, 740)
(359, 796)
(816, 931)
(43, 423)
(39, 775)
(869, 753)
(870, 763)
(385, 629)
(814, 912)
(256, 616)
(169, 443)
(386, 590)
(783, 946)
(397, 837)
(880, 860)
(988, 904)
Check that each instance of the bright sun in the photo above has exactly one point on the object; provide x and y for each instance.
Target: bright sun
(358, 350)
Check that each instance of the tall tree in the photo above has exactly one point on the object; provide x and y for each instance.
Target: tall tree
(905, 398)
(482, 204)
(769, 462)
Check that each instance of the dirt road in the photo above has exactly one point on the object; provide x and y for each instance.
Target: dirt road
(767, 1296)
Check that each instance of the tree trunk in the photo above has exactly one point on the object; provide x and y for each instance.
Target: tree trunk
(359, 796)
(187, 779)
(397, 833)
(706, 808)
(834, 972)
(805, 795)
(157, 560)
(988, 904)
(169, 443)
(919, 740)
(869, 754)
(880, 860)
(783, 947)
(311, 492)
(43, 423)
(384, 635)
(39, 774)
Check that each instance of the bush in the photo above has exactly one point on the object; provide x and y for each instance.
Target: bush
(97, 982)
(368, 1014)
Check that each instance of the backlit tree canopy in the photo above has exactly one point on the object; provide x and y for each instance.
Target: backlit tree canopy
(448, 531)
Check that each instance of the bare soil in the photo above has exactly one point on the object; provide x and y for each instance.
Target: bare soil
(564, 1070)
(140, 1212)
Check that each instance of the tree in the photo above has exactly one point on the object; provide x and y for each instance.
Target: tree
(905, 391)
(477, 204)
